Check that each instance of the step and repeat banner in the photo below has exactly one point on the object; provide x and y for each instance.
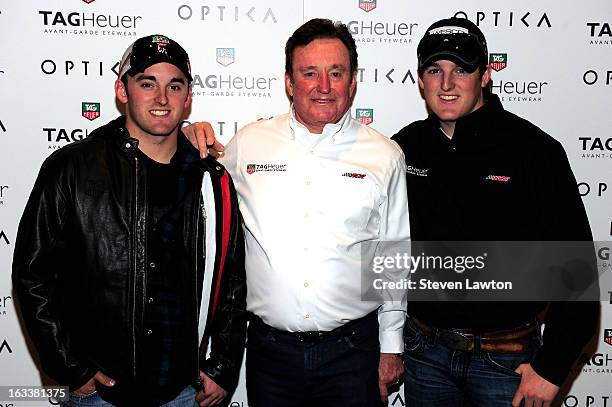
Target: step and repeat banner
(59, 59)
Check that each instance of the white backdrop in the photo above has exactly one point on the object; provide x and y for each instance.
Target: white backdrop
(57, 55)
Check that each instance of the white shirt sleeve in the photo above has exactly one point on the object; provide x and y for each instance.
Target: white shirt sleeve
(394, 226)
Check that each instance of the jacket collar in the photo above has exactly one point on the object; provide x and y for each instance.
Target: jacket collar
(116, 132)
(475, 127)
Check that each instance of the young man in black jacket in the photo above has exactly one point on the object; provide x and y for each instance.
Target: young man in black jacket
(130, 255)
(476, 172)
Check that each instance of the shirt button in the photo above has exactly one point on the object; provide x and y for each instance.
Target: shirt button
(150, 300)
(306, 284)
(149, 332)
(128, 145)
(152, 265)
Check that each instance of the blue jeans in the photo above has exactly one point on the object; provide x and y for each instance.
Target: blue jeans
(185, 399)
(442, 377)
(282, 371)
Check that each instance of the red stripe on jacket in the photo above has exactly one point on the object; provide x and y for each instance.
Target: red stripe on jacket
(225, 235)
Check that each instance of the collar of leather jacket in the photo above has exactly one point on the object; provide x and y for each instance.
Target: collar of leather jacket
(116, 131)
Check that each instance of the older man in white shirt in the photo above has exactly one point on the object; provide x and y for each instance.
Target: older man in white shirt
(314, 185)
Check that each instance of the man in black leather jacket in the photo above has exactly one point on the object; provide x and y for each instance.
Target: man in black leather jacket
(130, 255)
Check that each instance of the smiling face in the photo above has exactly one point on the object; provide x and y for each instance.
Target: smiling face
(451, 92)
(156, 100)
(321, 83)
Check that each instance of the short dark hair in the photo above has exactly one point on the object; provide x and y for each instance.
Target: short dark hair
(318, 28)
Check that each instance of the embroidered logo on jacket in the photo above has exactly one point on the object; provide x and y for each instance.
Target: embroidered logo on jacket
(253, 168)
(498, 178)
(354, 175)
(419, 172)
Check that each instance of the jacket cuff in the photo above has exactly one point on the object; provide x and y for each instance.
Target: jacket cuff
(80, 378)
(550, 369)
(219, 373)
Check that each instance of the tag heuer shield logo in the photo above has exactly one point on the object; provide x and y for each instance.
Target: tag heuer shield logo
(365, 116)
(90, 111)
(250, 168)
(608, 336)
(367, 5)
(225, 56)
(498, 61)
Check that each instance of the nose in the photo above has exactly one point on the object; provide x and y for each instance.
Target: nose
(447, 81)
(323, 85)
(161, 96)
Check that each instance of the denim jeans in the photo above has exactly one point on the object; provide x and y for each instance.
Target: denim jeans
(185, 399)
(442, 377)
(282, 371)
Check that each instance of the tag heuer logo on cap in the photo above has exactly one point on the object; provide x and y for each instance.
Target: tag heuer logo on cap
(90, 110)
(365, 116)
(498, 61)
(608, 336)
(367, 5)
(225, 56)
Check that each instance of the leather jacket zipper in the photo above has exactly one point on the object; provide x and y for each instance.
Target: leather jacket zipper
(134, 274)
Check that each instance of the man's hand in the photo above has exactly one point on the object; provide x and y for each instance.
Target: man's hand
(90, 386)
(536, 390)
(390, 370)
(211, 394)
(202, 136)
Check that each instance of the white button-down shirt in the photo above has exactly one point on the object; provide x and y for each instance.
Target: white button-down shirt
(308, 201)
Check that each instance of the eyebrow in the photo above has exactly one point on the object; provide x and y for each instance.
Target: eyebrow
(315, 67)
(154, 79)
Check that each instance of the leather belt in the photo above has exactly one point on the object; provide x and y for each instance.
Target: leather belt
(507, 341)
(351, 328)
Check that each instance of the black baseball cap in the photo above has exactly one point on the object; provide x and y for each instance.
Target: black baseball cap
(456, 39)
(151, 50)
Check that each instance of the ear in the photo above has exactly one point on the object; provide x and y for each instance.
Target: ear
(421, 84)
(189, 96)
(486, 77)
(288, 84)
(353, 85)
(120, 91)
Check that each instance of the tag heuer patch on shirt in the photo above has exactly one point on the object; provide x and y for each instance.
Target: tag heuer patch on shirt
(253, 168)
(498, 178)
(354, 175)
(419, 172)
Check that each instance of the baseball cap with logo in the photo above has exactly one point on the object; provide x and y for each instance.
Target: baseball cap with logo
(456, 39)
(151, 50)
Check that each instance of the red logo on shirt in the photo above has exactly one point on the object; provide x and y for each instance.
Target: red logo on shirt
(498, 178)
(354, 175)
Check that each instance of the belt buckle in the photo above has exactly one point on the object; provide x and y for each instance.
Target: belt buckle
(455, 340)
(310, 336)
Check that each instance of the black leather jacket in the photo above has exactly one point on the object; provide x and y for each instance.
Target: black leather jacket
(79, 261)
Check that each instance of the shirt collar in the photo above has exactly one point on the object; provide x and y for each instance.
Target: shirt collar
(331, 130)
